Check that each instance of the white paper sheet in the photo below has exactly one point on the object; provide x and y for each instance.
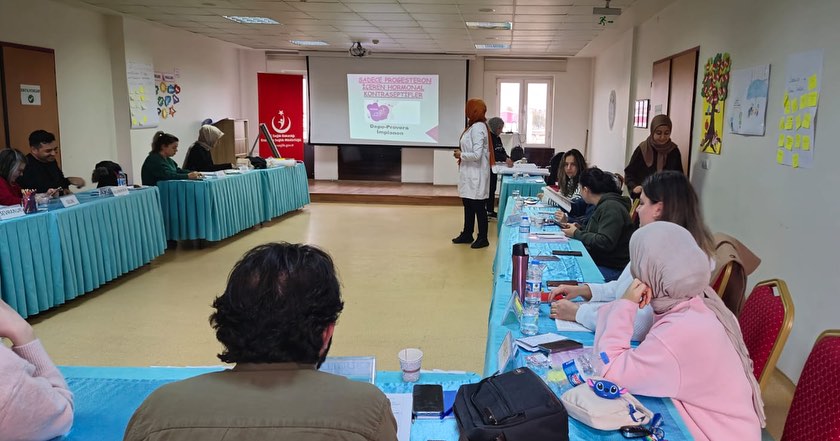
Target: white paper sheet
(567, 326)
(401, 408)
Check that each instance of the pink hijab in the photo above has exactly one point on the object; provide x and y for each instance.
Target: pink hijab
(666, 258)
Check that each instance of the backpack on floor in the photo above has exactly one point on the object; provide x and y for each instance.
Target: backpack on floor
(513, 406)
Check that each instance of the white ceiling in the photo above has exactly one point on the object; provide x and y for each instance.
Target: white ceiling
(540, 27)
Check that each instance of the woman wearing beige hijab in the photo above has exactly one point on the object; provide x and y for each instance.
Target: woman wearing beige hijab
(654, 154)
(199, 157)
(694, 353)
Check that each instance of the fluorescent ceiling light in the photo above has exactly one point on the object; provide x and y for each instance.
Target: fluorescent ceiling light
(309, 42)
(493, 46)
(250, 20)
(497, 25)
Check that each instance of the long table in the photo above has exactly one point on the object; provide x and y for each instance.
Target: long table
(50, 257)
(582, 269)
(529, 186)
(217, 208)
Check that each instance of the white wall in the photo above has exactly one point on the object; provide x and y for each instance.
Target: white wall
(611, 73)
(208, 72)
(83, 75)
(780, 213)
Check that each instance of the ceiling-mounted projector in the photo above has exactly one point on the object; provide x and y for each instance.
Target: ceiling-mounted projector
(357, 50)
(606, 10)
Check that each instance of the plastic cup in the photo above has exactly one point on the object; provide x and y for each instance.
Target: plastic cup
(529, 322)
(410, 360)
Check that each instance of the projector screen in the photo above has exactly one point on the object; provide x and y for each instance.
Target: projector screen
(392, 102)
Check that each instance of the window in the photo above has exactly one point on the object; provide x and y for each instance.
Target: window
(524, 105)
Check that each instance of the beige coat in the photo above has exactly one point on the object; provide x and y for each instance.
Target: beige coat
(728, 249)
(256, 402)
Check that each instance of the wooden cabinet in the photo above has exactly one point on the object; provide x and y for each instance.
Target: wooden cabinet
(235, 142)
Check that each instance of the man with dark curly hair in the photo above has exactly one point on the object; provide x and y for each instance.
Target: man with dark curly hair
(276, 320)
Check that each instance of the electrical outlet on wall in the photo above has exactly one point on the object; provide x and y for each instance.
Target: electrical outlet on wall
(706, 163)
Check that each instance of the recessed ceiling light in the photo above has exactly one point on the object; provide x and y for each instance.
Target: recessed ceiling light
(497, 25)
(486, 10)
(493, 46)
(250, 20)
(309, 42)
(208, 4)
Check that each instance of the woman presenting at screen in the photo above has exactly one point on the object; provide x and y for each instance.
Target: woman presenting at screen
(474, 158)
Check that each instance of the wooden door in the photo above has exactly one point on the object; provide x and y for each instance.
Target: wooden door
(29, 66)
(660, 87)
(681, 102)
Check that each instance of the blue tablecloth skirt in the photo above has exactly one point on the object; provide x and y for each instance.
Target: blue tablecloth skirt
(285, 189)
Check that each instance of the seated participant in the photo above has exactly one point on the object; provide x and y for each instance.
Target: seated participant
(35, 403)
(12, 164)
(568, 183)
(695, 352)
(607, 233)
(199, 157)
(275, 320)
(159, 165)
(42, 172)
(666, 196)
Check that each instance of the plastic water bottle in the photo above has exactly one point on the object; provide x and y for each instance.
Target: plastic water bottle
(586, 365)
(533, 284)
(525, 225)
(122, 179)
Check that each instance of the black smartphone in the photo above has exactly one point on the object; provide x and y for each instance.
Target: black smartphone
(428, 401)
(567, 253)
(556, 283)
(635, 432)
(559, 346)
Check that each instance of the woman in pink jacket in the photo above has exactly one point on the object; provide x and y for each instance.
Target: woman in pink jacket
(35, 403)
(694, 352)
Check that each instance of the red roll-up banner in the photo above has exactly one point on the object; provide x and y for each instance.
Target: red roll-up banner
(281, 110)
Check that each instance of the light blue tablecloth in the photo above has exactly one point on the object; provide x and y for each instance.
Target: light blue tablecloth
(582, 269)
(51, 257)
(212, 209)
(285, 189)
(527, 187)
(105, 397)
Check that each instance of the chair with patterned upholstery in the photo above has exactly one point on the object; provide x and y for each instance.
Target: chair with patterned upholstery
(765, 321)
(722, 280)
(815, 409)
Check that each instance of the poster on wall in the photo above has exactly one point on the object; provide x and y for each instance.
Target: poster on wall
(797, 127)
(747, 105)
(281, 110)
(168, 94)
(715, 91)
(141, 95)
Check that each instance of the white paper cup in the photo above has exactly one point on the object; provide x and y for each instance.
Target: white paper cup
(410, 359)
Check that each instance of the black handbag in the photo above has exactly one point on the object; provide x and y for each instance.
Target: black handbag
(514, 406)
(257, 162)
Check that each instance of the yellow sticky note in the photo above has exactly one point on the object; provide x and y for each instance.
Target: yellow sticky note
(806, 142)
(812, 82)
(789, 142)
(798, 122)
(786, 99)
(141, 89)
(781, 140)
(797, 141)
(803, 101)
(145, 119)
(782, 123)
(142, 97)
(795, 161)
(806, 121)
(813, 99)
(787, 107)
(780, 156)
(789, 123)
(794, 106)
(133, 121)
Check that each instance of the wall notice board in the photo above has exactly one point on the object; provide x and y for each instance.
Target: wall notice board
(141, 95)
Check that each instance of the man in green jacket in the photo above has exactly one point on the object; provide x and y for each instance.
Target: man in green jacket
(275, 320)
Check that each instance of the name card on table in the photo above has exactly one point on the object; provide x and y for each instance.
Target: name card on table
(513, 312)
(11, 212)
(506, 352)
(69, 201)
(120, 191)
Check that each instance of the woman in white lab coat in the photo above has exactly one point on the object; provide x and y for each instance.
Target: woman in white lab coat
(474, 159)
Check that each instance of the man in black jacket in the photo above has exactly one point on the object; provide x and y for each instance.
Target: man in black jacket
(496, 124)
(42, 172)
